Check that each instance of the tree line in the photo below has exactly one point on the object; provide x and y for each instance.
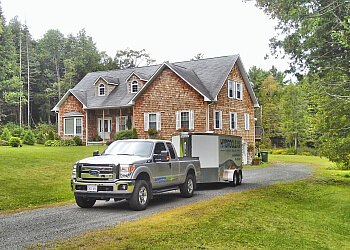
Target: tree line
(35, 74)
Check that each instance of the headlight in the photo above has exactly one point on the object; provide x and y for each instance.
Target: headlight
(74, 171)
(125, 171)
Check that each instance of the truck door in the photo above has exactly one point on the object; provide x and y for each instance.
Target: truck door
(175, 165)
(162, 170)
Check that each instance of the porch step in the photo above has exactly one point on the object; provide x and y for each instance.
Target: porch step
(95, 143)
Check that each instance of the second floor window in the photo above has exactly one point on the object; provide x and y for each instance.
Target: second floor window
(134, 86)
(185, 119)
(234, 90)
(233, 121)
(101, 89)
(152, 121)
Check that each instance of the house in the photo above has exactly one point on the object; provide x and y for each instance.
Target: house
(201, 95)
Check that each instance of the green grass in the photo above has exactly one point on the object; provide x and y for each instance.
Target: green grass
(32, 176)
(306, 214)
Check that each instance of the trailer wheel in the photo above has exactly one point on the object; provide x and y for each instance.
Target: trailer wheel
(139, 198)
(240, 178)
(84, 202)
(187, 189)
(234, 182)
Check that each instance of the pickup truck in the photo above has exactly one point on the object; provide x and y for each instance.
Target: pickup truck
(133, 170)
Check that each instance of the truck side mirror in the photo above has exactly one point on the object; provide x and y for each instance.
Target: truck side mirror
(96, 153)
(164, 156)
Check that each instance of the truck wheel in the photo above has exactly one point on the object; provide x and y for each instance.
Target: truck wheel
(84, 202)
(187, 189)
(139, 198)
(234, 182)
(240, 178)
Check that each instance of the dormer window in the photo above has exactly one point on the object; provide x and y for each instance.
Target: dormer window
(134, 86)
(101, 90)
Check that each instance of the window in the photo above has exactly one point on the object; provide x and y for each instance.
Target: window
(184, 119)
(239, 91)
(73, 126)
(171, 150)
(101, 89)
(152, 121)
(233, 121)
(134, 86)
(217, 119)
(122, 125)
(246, 121)
(159, 148)
(234, 90)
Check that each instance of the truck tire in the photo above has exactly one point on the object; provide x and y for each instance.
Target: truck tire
(84, 202)
(234, 182)
(187, 189)
(240, 178)
(139, 198)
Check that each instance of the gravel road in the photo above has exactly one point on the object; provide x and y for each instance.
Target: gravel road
(44, 225)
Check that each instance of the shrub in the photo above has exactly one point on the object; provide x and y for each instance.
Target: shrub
(78, 141)
(134, 134)
(122, 135)
(68, 143)
(18, 132)
(50, 136)
(290, 151)
(4, 143)
(97, 138)
(53, 143)
(109, 143)
(40, 138)
(29, 138)
(152, 132)
(6, 135)
(15, 141)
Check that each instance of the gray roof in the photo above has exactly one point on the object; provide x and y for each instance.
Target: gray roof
(206, 76)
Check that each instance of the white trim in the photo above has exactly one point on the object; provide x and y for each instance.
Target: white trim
(56, 108)
(101, 77)
(146, 121)
(74, 125)
(100, 88)
(133, 73)
(131, 86)
(246, 121)
(190, 119)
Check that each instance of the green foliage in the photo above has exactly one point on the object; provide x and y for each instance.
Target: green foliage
(4, 143)
(29, 138)
(78, 141)
(152, 132)
(18, 132)
(134, 134)
(15, 142)
(40, 138)
(123, 135)
(68, 142)
(53, 143)
(6, 135)
(50, 135)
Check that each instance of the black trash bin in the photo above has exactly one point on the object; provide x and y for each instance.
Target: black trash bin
(264, 156)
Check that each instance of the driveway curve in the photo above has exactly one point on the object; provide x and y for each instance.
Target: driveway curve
(47, 224)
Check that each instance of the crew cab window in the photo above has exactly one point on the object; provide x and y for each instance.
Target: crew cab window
(171, 150)
(159, 148)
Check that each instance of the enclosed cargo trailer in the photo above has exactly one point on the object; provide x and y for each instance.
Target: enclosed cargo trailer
(220, 155)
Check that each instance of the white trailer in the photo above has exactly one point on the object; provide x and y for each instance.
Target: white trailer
(220, 155)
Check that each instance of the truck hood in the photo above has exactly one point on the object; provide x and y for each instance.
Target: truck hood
(114, 159)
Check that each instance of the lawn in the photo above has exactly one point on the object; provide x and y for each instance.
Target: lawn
(306, 214)
(32, 176)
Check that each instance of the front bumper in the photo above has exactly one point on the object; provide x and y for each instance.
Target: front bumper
(120, 189)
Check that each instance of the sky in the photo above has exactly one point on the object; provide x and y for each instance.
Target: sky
(168, 30)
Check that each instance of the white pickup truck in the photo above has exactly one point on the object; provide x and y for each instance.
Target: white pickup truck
(133, 170)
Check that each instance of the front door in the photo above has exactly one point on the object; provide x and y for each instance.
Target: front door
(105, 127)
(162, 170)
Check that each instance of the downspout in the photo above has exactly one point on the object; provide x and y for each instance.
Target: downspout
(103, 125)
(58, 125)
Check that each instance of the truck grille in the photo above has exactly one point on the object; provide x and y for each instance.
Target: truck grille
(101, 172)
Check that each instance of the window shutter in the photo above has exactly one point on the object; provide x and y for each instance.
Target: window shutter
(191, 120)
(231, 114)
(158, 121)
(235, 125)
(246, 121)
(229, 87)
(145, 119)
(220, 119)
(178, 119)
(234, 90)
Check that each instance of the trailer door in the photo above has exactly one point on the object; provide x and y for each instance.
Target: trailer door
(245, 153)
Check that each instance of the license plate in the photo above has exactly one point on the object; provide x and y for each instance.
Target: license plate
(92, 188)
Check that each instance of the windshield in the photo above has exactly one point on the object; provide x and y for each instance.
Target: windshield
(138, 148)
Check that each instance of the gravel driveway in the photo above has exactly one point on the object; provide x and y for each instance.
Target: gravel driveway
(47, 224)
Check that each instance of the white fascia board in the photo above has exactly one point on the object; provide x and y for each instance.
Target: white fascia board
(133, 73)
(101, 77)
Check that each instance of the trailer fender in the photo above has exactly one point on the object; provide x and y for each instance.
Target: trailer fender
(229, 174)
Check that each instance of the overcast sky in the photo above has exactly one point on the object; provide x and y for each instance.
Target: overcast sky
(168, 30)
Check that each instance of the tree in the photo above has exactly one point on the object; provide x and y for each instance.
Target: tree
(132, 58)
(315, 35)
(294, 120)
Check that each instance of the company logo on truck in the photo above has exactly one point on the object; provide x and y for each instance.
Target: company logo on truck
(229, 143)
